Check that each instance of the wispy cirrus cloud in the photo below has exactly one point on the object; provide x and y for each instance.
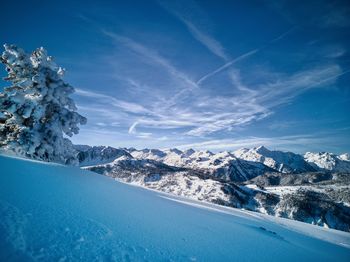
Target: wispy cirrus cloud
(129, 107)
(258, 102)
(195, 113)
(189, 109)
(227, 65)
(132, 130)
(211, 43)
(187, 11)
(230, 144)
(153, 56)
(296, 143)
(205, 115)
(244, 56)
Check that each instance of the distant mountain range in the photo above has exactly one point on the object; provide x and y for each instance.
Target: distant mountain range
(313, 188)
(239, 165)
(329, 161)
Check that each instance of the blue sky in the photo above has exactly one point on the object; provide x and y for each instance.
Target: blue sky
(217, 75)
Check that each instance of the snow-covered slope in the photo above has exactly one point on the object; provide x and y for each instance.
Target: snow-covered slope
(328, 161)
(285, 162)
(49, 212)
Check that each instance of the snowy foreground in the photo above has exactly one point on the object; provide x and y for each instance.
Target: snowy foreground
(57, 213)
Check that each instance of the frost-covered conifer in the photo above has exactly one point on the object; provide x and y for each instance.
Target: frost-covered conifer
(36, 110)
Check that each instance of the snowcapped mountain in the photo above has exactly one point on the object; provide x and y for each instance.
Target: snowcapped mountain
(94, 155)
(320, 198)
(156, 175)
(223, 165)
(185, 182)
(284, 162)
(345, 157)
(133, 170)
(328, 161)
(240, 165)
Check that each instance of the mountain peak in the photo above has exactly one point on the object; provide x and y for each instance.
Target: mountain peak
(261, 149)
(329, 161)
(176, 151)
(189, 152)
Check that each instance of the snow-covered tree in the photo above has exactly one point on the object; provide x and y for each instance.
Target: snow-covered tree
(36, 112)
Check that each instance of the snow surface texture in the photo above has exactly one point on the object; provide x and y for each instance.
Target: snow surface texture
(49, 212)
(36, 111)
